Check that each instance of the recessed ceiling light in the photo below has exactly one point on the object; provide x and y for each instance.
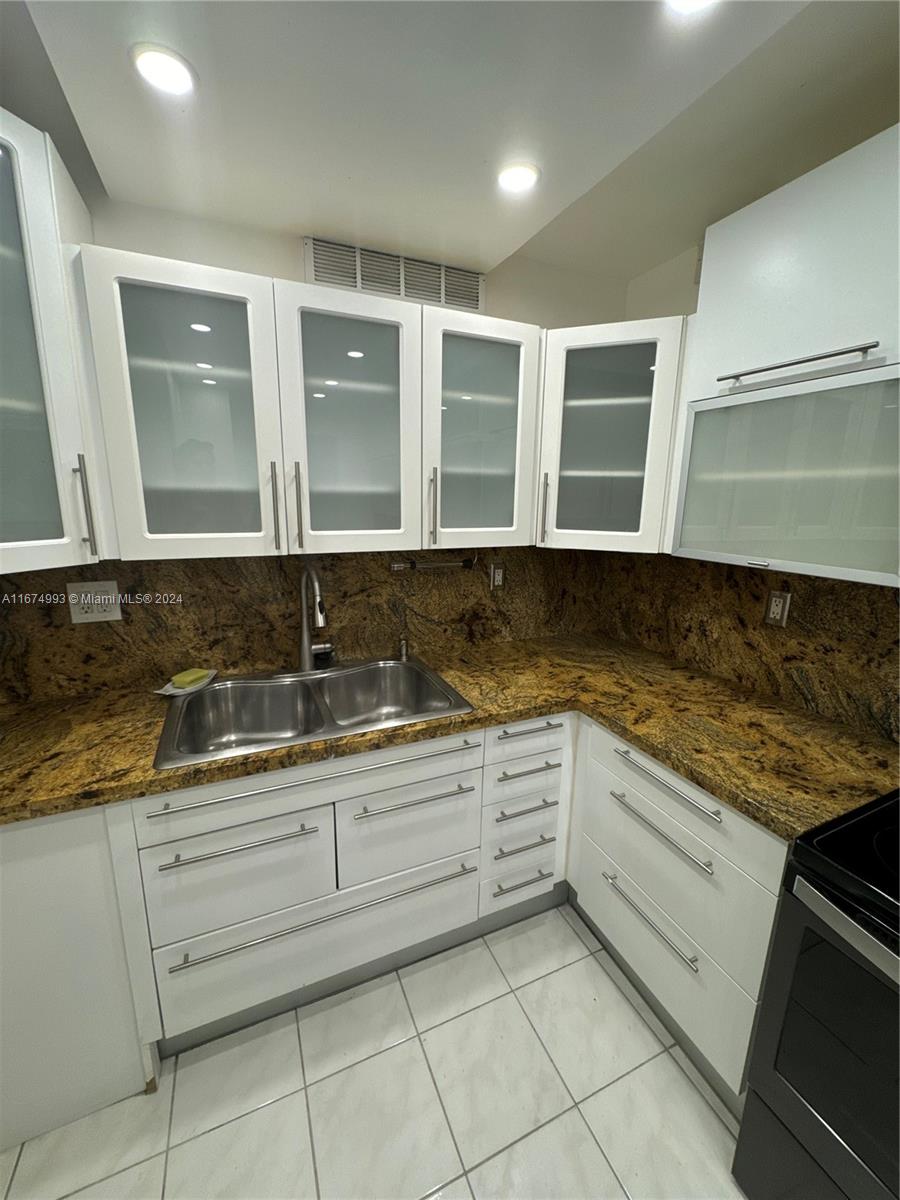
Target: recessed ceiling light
(331, 383)
(355, 354)
(318, 395)
(162, 69)
(198, 328)
(518, 177)
(204, 366)
(689, 6)
(211, 382)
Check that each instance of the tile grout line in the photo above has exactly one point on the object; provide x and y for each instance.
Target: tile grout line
(606, 1158)
(8, 1189)
(115, 1174)
(522, 1137)
(624, 1075)
(165, 1178)
(312, 1143)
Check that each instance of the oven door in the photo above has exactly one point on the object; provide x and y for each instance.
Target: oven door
(826, 1050)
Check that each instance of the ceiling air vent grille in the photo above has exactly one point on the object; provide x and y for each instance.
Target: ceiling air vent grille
(364, 270)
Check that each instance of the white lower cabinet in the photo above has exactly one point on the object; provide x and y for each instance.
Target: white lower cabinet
(518, 882)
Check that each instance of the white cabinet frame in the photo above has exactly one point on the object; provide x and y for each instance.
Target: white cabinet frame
(104, 270)
(435, 323)
(291, 299)
(43, 263)
(667, 333)
(752, 395)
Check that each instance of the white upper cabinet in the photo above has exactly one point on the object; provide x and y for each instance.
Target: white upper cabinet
(350, 369)
(609, 397)
(46, 518)
(479, 417)
(188, 384)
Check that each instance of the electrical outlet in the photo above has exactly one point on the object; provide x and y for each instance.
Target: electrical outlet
(777, 608)
(94, 600)
(497, 575)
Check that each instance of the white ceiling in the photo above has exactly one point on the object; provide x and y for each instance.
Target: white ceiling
(385, 123)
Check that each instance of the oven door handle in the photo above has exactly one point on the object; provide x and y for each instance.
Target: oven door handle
(845, 927)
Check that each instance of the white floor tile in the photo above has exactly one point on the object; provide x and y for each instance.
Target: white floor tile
(7, 1164)
(560, 1161)
(346, 1028)
(457, 1190)
(95, 1146)
(143, 1182)
(234, 1075)
(624, 984)
(591, 1031)
(706, 1090)
(379, 1130)
(536, 946)
(264, 1155)
(580, 928)
(661, 1137)
(494, 1076)
(452, 983)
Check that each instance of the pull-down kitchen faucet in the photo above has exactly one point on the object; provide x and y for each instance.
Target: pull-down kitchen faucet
(307, 648)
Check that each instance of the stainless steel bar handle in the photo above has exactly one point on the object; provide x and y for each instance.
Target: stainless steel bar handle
(863, 348)
(434, 505)
(546, 490)
(514, 887)
(757, 562)
(167, 810)
(273, 472)
(505, 777)
(298, 498)
(543, 840)
(506, 735)
(178, 861)
(714, 814)
(524, 812)
(459, 790)
(187, 961)
(81, 472)
(704, 866)
(689, 961)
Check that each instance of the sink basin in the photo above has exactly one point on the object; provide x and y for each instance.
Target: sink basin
(248, 713)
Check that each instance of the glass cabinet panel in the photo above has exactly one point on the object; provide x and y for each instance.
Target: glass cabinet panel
(29, 499)
(192, 397)
(351, 390)
(806, 478)
(606, 405)
(479, 432)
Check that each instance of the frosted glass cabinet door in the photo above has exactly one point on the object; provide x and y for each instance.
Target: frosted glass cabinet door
(608, 405)
(187, 374)
(479, 410)
(41, 521)
(350, 387)
(803, 478)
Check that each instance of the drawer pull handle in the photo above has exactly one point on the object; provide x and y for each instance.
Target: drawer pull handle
(543, 840)
(276, 519)
(178, 861)
(548, 766)
(187, 961)
(523, 812)
(167, 810)
(691, 961)
(704, 866)
(514, 887)
(459, 790)
(714, 813)
(517, 733)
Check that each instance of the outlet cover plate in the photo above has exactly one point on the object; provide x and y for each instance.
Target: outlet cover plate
(777, 608)
(94, 600)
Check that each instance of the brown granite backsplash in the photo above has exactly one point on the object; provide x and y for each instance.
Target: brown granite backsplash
(837, 658)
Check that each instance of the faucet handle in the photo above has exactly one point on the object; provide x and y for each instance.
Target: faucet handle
(404, 649)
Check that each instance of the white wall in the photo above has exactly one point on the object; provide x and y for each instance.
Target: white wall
(523, 289)
(667, 290)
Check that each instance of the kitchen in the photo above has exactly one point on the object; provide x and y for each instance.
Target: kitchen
(507, 512)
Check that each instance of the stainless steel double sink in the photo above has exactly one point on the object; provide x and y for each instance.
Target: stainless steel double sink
(243, 714)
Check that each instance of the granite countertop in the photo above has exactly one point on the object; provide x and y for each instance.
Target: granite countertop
(786, 770)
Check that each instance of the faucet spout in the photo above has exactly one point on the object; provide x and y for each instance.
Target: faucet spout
(310, 576)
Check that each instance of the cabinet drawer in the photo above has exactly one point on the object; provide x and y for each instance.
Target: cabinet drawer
(506, 781)
(538, 735)
(754, 849)
(518, 834)
(403, 827)
(220, 973)
(518, 883)
(725, 911)
(203, 883)
(216, 805)
(712, 1010)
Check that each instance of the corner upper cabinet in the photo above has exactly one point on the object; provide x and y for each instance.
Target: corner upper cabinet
(350, 369)
(479, 417)
(188, 382)
(609, 400)
(45, 470)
